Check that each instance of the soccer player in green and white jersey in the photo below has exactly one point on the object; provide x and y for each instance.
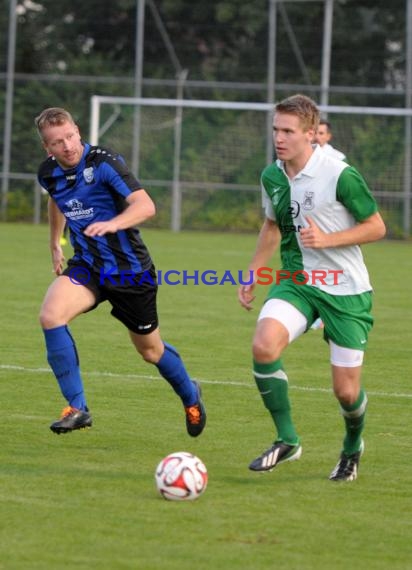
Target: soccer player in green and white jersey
(319, 209)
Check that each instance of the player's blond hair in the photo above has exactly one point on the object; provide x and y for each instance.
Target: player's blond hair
(302, 107)
(52, 117)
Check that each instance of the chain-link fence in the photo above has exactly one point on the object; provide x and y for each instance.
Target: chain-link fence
(210, 159)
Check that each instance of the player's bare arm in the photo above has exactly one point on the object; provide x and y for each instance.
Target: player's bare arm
(369, 230)
(57, 222)
(267, 243)
(140, 209)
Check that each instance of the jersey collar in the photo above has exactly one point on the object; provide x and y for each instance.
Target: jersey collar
(311, 167)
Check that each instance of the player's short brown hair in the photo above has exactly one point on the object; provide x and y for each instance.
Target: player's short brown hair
(303, 107)
(51, 117)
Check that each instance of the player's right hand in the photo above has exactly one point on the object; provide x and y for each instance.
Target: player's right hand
(246, 296)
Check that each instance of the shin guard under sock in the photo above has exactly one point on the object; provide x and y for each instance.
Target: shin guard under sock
(171, 367)
(354, 417)
(272, 383)
(63, 359)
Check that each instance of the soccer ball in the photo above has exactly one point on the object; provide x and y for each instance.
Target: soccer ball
(181, 476)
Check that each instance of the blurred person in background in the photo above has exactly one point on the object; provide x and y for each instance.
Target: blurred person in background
(323, 136)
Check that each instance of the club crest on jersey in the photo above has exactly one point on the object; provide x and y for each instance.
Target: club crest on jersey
(307, 203)
(88, 174)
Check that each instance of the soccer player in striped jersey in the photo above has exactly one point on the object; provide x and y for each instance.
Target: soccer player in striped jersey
(319, 210)
(92, 190)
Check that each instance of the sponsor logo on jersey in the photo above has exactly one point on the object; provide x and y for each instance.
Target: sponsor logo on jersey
(74, 204)
(77, 210)
(294, 208)
(289, 228)
(286, 224)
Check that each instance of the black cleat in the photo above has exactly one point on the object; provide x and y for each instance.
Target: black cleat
(347, 467)
(279, 453)
(196, 415)
(71, 419)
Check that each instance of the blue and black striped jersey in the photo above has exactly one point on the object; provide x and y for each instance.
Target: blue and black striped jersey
(95, 191)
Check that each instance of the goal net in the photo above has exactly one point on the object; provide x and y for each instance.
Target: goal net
(201, 160)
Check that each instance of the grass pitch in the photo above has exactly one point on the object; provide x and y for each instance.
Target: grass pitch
(87, 500)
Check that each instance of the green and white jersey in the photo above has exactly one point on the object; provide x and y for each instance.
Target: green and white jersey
(336, 197)
(332, 151)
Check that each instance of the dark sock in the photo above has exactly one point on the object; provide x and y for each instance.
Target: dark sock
(63, 359)
(171, 367)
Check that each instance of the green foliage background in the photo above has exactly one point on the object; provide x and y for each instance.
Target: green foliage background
(69, 50)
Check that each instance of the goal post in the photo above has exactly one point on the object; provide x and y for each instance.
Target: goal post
(205, 150)
(98, 100)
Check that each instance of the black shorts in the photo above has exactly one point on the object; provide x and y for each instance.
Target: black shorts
(133, 297)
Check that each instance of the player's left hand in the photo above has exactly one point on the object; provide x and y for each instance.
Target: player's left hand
(58, 260)
(101, 228)
(313, 236)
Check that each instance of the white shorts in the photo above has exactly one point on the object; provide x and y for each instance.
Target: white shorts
(295, 322)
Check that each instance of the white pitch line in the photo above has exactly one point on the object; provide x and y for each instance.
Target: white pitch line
(217, 382)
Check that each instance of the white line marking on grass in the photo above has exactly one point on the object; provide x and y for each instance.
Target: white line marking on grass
(217, 382)
(24, 501)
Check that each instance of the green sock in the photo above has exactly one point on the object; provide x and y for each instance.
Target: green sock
(354, 417)
(272, 383)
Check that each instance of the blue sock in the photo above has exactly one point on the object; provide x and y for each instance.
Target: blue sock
(171, 367)
(64, 361)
